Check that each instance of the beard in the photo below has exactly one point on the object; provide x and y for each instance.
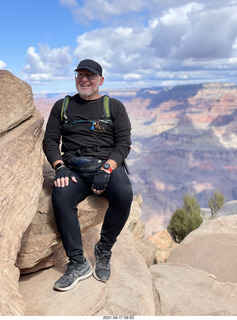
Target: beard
(89, 91)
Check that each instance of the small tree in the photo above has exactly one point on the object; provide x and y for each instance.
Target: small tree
(216, 203)
(185, 220)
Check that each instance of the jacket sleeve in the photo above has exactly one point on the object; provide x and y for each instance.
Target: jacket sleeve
(52, 135)
(122, 132)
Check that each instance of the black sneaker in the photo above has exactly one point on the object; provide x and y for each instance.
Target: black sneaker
(75, 272)
(101, 270)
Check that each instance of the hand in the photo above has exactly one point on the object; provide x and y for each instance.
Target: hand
(100, 182)
(62, 176)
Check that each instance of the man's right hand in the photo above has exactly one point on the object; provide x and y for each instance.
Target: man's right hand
(62, 177)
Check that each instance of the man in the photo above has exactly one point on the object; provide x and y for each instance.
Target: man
(91, 160)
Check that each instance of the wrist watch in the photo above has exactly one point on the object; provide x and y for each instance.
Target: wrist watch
(107, 167)
(59, 165)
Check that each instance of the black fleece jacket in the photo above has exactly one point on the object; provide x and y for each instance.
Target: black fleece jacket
(115, 141)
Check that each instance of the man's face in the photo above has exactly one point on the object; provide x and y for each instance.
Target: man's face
(87, 84)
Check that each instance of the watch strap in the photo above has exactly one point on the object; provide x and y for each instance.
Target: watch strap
(59, 165)
(106, 166)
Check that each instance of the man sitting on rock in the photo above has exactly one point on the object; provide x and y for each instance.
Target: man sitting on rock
(96, 139)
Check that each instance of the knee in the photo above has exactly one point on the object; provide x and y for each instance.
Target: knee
(124, 196)
(129, 194)
(59, 197)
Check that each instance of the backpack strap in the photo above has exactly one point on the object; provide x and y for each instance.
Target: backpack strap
(64, 107)
(106, 106)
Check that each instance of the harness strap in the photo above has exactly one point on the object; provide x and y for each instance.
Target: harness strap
(66, 102)
(64, 107)
(106, 115)
(89, 149)
(106, 106)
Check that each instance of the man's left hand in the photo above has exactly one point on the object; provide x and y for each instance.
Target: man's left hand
(100, 182)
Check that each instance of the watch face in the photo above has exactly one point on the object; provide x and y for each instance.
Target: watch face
(106, 166)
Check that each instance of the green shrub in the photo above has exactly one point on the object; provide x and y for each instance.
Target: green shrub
(185, 220)
(216, 203)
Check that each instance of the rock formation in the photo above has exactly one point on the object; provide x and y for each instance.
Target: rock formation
(29, 242)
(28, 235)
(41, 246)
(209, 250)
(166, 289)
(21, 180)
(185, 291)
(128, 292)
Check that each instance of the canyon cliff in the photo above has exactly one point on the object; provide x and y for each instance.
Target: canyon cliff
(184, 140)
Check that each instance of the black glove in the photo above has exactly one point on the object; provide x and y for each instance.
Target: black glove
(101, 180)
(63, 172)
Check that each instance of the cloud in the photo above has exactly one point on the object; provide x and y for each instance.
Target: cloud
(3, 65)
(211, 35)
(193, 32)
(69, 3)
(119, 50)
(155, 42)
(171, 28)
(182, 43)
(48, 64)
(86, 11)
(91, 10)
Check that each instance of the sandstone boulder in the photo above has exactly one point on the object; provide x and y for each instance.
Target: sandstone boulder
(41, 245)
(167, 289)
(129, 291)
(212, 247)
(21, 180)
(11, 301)
(16, 101)
(145, 247)
(184, 291)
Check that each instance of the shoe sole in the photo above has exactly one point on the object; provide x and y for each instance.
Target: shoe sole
(75, 282)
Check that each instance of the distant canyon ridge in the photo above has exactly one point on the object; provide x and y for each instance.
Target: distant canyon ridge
(183, 140)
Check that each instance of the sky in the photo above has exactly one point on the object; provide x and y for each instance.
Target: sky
(139, 43)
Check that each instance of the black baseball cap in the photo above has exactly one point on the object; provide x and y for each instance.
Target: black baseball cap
(90, 65)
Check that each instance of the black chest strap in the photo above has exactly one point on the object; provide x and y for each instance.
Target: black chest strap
(104, 118)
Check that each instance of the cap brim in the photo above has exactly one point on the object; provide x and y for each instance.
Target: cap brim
(88, 68)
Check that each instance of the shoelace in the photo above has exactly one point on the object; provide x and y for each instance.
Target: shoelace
(103, 259)
(72, 265)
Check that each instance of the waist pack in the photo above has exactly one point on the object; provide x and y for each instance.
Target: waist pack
(84, 164)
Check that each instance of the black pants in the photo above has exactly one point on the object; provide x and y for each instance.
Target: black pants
(65, 200)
